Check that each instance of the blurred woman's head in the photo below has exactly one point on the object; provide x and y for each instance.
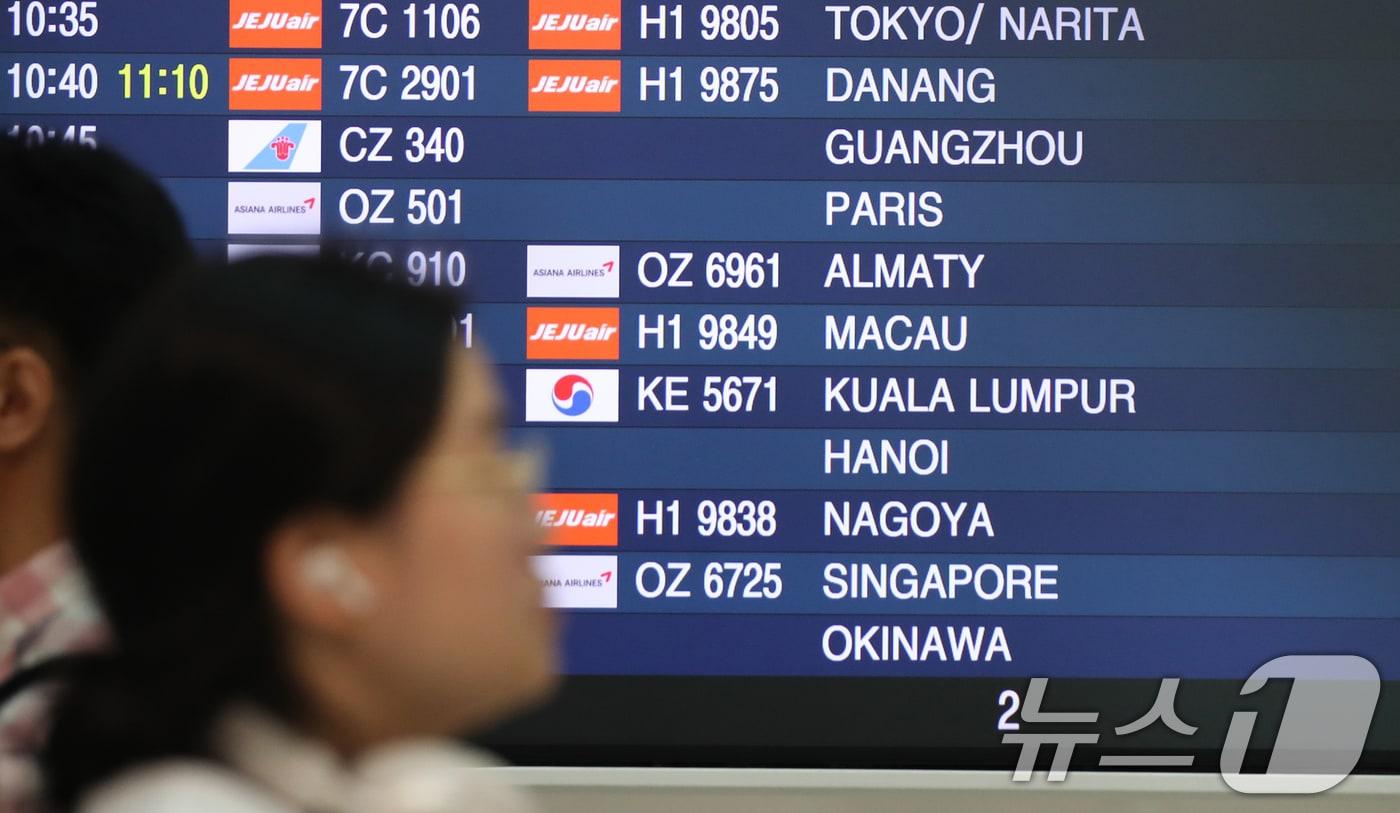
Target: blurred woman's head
(292, 490)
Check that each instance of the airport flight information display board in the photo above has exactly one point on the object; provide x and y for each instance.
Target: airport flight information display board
(890, 355)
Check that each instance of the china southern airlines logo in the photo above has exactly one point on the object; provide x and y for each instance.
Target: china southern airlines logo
(274, 146)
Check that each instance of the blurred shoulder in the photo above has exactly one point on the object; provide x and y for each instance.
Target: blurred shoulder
(180, 786)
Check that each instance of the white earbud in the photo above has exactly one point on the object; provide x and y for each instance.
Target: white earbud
(327, 568)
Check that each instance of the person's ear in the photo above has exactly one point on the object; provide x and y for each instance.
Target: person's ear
(26, 397)
(321, 572)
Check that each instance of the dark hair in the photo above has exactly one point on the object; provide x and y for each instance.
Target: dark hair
(239, 397)
(84, 235)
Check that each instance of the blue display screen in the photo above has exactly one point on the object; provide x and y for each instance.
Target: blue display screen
(962, 343)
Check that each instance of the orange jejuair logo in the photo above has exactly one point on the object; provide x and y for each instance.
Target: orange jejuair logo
(572, 333)
(274, 84)
(578, 520)
(274, 23)
(575, 25)
(575, 86)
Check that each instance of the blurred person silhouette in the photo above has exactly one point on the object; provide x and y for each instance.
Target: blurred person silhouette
(84, 236)
(294, 501)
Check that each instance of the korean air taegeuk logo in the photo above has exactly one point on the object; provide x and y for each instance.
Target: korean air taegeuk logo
(571, 396)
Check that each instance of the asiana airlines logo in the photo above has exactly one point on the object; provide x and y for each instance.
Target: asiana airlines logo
(572, 272)
(274, 208)
(578, 582)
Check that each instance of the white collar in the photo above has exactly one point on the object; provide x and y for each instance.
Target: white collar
(417, 776)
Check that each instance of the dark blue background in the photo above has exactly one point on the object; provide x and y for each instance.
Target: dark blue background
(1229, 242)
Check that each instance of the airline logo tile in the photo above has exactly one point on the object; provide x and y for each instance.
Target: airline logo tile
(274, 146)
(274, 208)
(572, 333)
(274, 84)
(572, 272)
(578, 520)
(571, 396)
(243, 251)
(578, 582)
(575, 25)
(274, 24)
(575, 86)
